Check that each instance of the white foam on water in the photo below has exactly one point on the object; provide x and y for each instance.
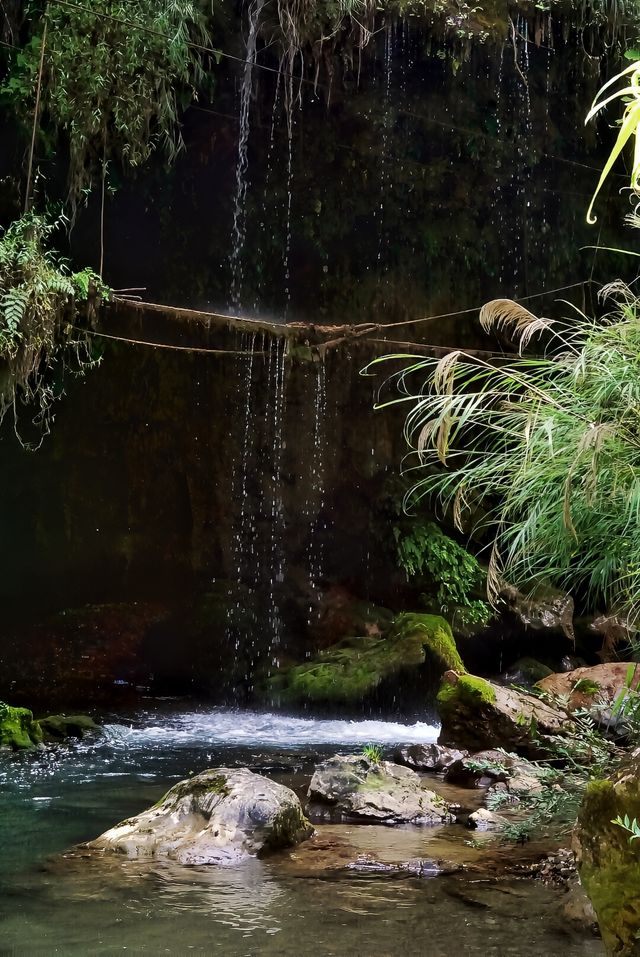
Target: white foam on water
(234, 727)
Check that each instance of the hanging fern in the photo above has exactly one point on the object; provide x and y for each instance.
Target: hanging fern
(39, 299)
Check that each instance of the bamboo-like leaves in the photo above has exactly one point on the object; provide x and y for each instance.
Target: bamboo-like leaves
(628, 128)
(541, 453)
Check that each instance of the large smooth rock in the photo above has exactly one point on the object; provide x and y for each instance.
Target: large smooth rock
(350, 671)
(609, 863)
(220, 816)
(477, 714)
(363, 790)
(584, 686)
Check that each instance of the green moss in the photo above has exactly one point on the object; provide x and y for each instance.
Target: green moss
(354, 667)
(469, 689)
(289, 827)
(610, 863)
(58, 727)
(434, 633)
(18, 730)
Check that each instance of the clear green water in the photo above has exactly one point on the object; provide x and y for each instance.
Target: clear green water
(304, 902)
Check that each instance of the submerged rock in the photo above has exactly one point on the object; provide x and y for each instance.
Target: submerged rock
(608, 861)
(428, 757)
(362, 790)
(477, 714)
(18, 730)
(221, 816)
(354, 668)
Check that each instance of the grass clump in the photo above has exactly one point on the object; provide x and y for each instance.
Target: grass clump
(540, 454)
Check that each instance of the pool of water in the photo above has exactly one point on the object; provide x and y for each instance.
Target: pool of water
(309, 901)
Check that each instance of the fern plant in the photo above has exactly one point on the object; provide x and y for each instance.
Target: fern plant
(423, 550)
(39, 297)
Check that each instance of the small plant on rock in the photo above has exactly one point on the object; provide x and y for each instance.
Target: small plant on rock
(373, 753)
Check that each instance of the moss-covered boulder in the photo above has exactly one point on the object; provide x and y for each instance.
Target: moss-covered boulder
(59, 727)
(356, 788)
(350, 671)
(221, 816)
(477, 714)
(609, 863)
(18, 730)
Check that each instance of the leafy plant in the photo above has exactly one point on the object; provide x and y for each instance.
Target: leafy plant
(545, 448)
(39, 297)
(631, 826)
(630, 95)
(116, 74)
(424, 550)
(373, 753)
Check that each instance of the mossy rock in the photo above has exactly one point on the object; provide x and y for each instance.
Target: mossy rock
(59, 727)
(351, 670)
(18, 730)
(477, 715)
(609, 862)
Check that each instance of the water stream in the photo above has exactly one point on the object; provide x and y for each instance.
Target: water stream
(309, 901)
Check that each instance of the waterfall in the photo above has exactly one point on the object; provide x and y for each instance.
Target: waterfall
(316, 489)
(265, 219)
(277, 398)
(242, 165)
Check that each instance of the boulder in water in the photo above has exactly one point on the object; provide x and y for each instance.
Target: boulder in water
(477, 714)
(59, 727)
(428, 757)
(352, 670)
(358, 789)
(18, 730)
(221, 816)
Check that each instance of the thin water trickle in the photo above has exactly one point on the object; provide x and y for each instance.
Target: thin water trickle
(242, 165)
(384, 163)
(498, 202)
(243, 541)
(316, 493)
(291, 118)
(277, 396)
(266, 214)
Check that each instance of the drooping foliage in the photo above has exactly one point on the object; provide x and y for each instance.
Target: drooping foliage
(540, 454)
(424, 550)
(116, 74)
(629, 93)
(39, 301)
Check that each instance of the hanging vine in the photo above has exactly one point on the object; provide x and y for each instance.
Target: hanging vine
(115, 77)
